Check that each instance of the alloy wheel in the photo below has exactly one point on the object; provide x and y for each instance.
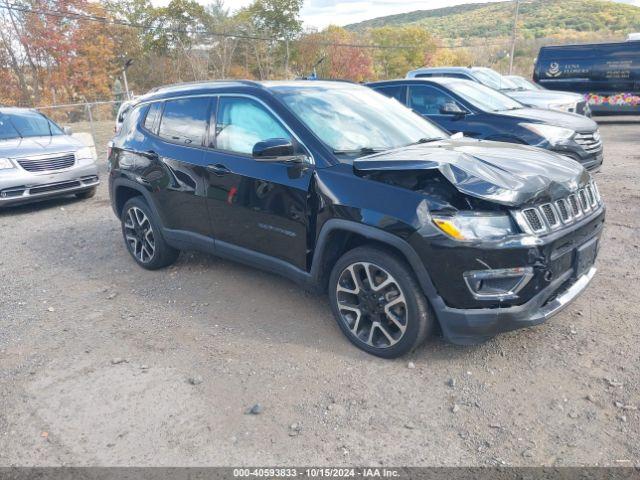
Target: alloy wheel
(139, 235)
(371, 304)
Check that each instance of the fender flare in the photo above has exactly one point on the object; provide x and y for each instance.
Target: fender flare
(144, 191)
(378, 235)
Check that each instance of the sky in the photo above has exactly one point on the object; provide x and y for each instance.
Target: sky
(320, 13)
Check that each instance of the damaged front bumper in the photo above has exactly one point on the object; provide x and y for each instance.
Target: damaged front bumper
(471, 326)
(562, 267)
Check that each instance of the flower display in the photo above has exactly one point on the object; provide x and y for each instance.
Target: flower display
(619, 99)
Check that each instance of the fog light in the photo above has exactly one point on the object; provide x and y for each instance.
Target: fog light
(500, 284)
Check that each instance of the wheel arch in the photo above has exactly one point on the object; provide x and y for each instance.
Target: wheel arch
(338, 234)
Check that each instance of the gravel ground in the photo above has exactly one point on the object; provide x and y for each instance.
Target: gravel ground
(104, 363)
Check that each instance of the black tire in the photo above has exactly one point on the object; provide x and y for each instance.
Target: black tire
(159, 253)
(85, 194)
(415, 315)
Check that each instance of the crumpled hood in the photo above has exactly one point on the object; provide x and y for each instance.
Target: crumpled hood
(25, 147)
(508, 174)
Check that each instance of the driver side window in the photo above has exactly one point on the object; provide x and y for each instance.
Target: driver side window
(428, 100)
(242, 122)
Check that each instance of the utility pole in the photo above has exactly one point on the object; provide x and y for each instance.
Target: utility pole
(514, 36)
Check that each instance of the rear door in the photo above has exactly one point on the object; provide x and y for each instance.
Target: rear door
(256, 205)
(176, 162)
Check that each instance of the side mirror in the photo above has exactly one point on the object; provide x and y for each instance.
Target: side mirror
(275, 149)
(67, 130)
(451, 108)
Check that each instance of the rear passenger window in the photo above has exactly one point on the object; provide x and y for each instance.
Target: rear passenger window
(185, 120)
(242, 122)
(153, 115)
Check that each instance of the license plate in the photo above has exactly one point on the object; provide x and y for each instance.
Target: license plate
(586, 257)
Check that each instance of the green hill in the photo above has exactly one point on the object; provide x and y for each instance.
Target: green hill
(538, 19)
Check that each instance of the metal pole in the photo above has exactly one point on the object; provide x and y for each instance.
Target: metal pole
(286, 59)
(514, 36)
(126, 84)
(93, 130)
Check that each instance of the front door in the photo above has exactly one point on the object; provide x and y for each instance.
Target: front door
(261, 206)
(429, 101)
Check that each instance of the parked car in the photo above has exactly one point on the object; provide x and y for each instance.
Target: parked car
(40, 160)
(344, 190)
(561, 101)
(608, 74)
(123, 110)
(481, 112)
(522, 83)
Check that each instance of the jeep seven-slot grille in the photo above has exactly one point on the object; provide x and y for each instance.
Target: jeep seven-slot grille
(541, 219)
(48, 164)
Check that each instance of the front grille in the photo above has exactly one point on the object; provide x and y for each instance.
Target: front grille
(563, 210)
(544, 218)
(549, 215)
(591, 141)
(533, 217)
(47, 164)
(53, 187)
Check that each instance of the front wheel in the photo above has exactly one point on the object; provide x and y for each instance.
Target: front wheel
(378, 303)
(143, 238)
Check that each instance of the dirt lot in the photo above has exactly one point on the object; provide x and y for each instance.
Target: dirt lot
(102, 362)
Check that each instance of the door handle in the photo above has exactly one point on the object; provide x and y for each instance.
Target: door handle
(218, 169)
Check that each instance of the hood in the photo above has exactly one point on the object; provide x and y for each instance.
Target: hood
(576, 122)
(508, 174)
(25, 147)
(543, 98)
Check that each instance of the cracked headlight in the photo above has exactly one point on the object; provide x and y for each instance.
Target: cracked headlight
(551, 133)
(6, 164)
(470, 226)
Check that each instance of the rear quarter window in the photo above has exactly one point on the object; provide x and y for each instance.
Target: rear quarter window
(153, 116)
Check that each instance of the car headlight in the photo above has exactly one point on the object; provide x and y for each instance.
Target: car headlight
(563, 107)
(551, 133)
(470, 226)
(86, 154)
(6, 164)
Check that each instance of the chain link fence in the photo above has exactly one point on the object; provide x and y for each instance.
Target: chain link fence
(91, 122)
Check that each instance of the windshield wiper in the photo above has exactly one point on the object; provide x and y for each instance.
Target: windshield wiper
(360, 151)
(424, 140)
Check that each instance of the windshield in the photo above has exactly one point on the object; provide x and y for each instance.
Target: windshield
(27, 123)
(493, 79)
(482, 97)
(352, 119)
(524, 84)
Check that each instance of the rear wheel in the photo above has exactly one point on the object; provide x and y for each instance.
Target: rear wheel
(378, 303)
(143, 237)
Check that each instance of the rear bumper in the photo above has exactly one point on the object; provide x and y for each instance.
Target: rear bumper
(23, 187)
(467, 327)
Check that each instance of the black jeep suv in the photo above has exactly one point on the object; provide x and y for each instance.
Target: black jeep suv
(345, 190)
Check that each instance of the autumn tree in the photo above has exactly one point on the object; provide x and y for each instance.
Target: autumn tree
(403, 49)
(341, 59)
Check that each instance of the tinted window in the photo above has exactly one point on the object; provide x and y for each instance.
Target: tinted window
(131, 120)
(151, 121)
(394, 91)
(185, 120)
(428, 100)
(243, 122)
